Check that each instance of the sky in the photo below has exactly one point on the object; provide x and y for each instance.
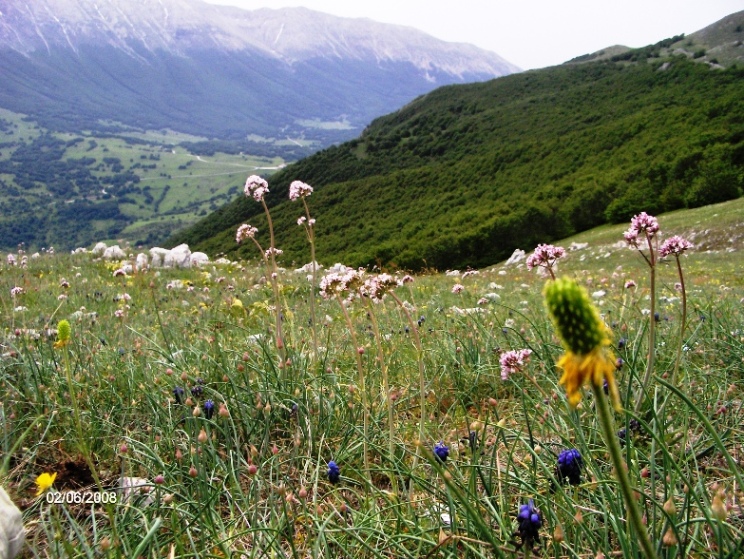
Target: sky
(530, 33)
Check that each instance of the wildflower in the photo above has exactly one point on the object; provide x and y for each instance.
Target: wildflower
(273, 251)
(529, 524)
(441, 451)
(641, 224)
(159, 479)
(569, 466)
(545, 256)
(585, 338)
(44, 482)
(245, 231)
(629, 284)
(458, 288)
(334, 473)
(512, 361)
(208, 409)
(178, 393)
(301, 220)
(376, 288)
(197, 390)
(64, 331)
(674, 245)
(16, 291)
(407, 279)
(298, 189)
(256, 187)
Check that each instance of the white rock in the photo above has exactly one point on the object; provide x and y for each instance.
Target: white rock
(577, 246)
(492, 296)
(308, 268)
(99, 249)
(517, 256)
(178, 257)
(114, 253)
(142, 261)
(158, 256)
(12, 533)
(132, 487)
(198, 259)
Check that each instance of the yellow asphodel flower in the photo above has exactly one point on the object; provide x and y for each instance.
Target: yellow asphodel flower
(585, 338)
(44, 482)
(64, 331)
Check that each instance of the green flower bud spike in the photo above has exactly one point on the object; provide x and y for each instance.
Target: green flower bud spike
(585, 339)
(64, 332)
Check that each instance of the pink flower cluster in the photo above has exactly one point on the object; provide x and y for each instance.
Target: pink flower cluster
(302, 220)
(641, 224)
(245, 231)
(273, 252)
(458, 288)
(16, 291)
(299, 189)
(336, 283)
(512, 361)
(545, 256)
(257, 187)
(674, 245)
(376, 287)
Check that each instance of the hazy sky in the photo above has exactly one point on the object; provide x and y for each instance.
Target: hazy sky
(530, 33)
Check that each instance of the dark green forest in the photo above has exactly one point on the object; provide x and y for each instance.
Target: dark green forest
(465, 174)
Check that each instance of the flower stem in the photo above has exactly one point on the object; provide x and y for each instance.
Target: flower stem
(310, 229)
(683, 323)
(362, 386)
(608, 431)
(651, 329)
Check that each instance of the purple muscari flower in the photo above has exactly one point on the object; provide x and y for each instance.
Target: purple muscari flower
(441, 451)
(569, 466)
(178, 393)
(197, 390)
(208, 409)
(334, 473)
(529, 524)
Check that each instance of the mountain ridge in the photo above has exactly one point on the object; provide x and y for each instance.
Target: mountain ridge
(218, 71)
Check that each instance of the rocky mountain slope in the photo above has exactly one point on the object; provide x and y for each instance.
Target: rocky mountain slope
(218, 71)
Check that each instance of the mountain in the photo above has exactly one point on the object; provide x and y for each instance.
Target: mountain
(467, 173)
(216, 71)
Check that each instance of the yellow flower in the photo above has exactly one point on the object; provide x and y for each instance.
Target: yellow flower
(45, 482)
(595, 367)
(585, 338)
(64, 331)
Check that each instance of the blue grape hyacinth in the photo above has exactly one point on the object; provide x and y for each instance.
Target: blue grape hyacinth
(441, 451)
(334, 472)
(529, 521)
(569, 467)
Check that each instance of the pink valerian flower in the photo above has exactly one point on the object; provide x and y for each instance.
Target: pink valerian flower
(119, 272)
(629, 284)
(301, 220)
(119, 313)
(256, 187)
(482, 301)
(674, 245)
(458, 288)
(512, 361)
(11, 260)
(330, 285)
(377, 287)
(273, 251)
(245, 231)
(545, 256)
(16, 291)
(407, 279)
(641, 224)
(299, 189)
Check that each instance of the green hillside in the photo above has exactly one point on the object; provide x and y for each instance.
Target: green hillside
(466, 174)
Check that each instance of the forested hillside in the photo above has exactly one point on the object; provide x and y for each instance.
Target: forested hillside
(466, 174)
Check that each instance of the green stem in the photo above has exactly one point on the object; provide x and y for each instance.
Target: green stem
(683, 323)
(608, 431)
(275, 286)
(388, 399)
(362, 387)
(651, 330)
(310, 228)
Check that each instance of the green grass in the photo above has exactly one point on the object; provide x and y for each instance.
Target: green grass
(254, 484)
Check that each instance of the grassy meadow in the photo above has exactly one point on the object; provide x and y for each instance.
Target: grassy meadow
(381, 429)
